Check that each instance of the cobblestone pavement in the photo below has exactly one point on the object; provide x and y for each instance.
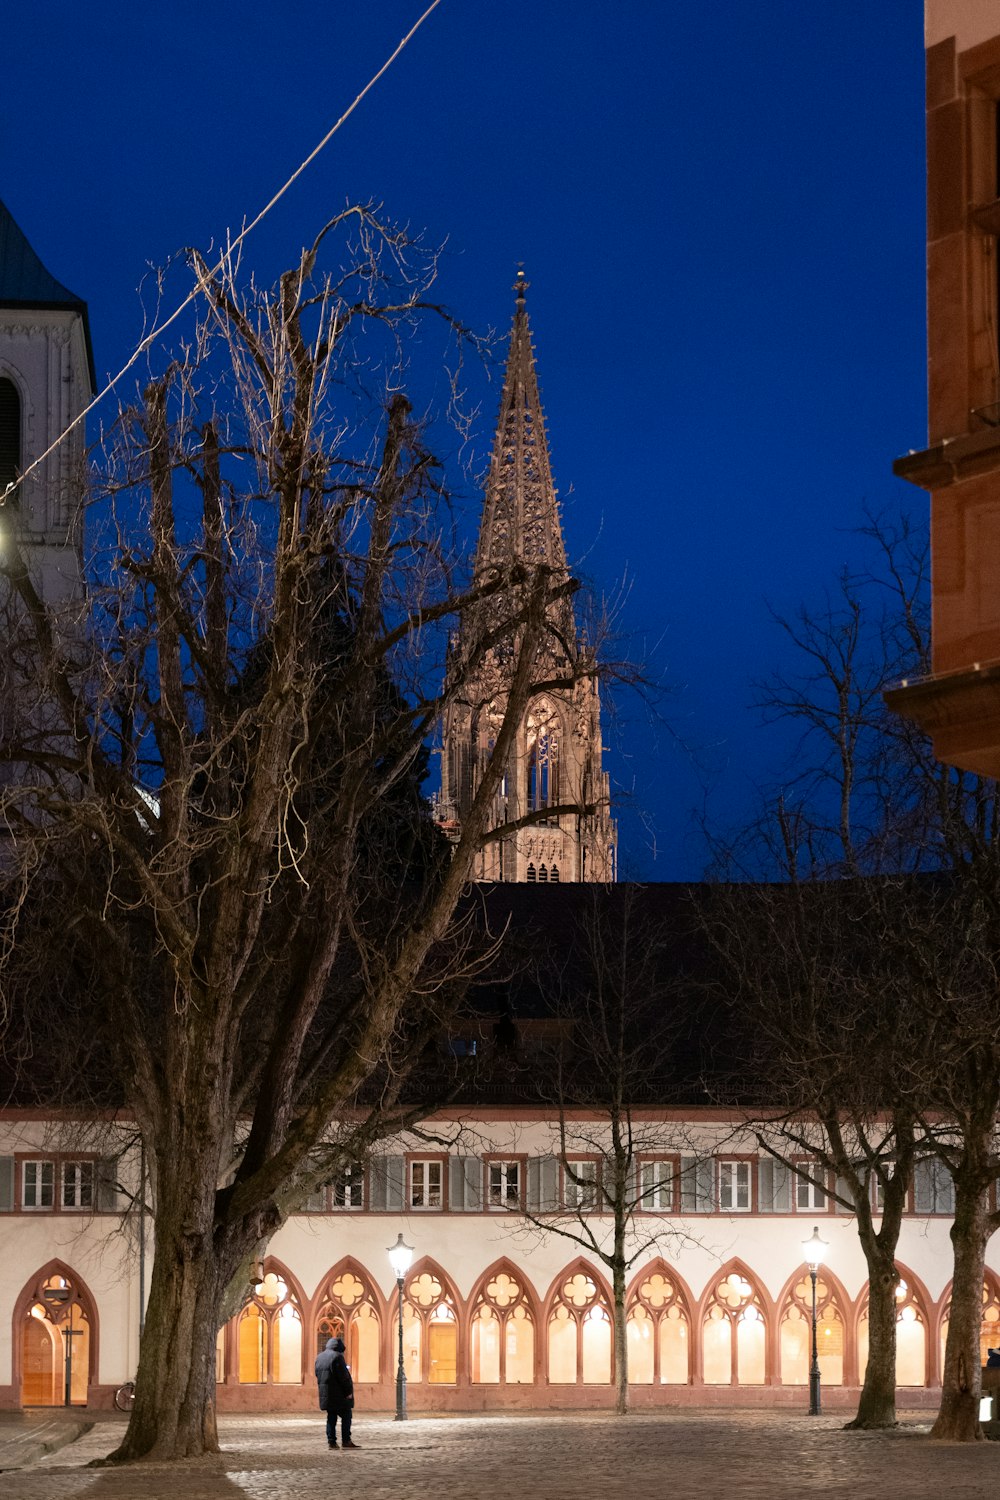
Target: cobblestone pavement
(681, 1456)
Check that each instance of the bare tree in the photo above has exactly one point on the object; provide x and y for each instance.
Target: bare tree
(217, 768)
(806, 932)
(610, 1076)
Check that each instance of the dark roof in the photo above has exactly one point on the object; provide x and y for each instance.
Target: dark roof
(24, 281)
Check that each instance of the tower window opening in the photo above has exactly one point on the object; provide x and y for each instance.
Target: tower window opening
(543, 874)
(10, 433)
(543, 771)
(554, 874)
(531, 875)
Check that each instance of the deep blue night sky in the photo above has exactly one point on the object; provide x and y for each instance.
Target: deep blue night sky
(719, 207)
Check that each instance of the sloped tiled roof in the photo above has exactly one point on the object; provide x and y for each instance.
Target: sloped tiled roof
(25, 282)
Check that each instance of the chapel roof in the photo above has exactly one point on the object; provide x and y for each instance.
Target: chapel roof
(26, 283)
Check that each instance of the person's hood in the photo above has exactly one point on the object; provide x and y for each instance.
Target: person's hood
(333, 1343)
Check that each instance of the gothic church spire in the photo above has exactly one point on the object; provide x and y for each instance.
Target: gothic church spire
(555, 763)
(521, 512)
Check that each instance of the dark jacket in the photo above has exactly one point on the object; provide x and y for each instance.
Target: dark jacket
(333, 1377)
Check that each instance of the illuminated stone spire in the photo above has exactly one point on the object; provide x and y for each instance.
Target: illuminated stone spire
(556, 760)
(521, 512)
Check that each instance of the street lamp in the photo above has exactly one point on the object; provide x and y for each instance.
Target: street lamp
(400, 1256)
(814, 1249)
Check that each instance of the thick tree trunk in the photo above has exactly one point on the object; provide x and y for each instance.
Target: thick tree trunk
(877, 1406)
(958, 1416)
(621, 1340)
(174, 1412)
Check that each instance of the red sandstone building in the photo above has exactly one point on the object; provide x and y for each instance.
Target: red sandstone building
(959, 704)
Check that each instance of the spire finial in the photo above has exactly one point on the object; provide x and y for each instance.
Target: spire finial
(520, 286)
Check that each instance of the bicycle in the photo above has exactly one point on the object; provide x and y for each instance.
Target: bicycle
(125, 1396)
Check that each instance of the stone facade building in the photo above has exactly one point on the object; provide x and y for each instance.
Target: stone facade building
(959, 704)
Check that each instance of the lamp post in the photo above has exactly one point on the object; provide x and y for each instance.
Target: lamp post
(814, 1249)
(400, 1256)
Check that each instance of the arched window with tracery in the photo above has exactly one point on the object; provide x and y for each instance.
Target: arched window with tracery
(10, 432)
(795, 1333)
(579, 1333)
(734, 1333)
(989, 1328)
(349, 1310)
(430, 1329)
(658, 1332)
(542, 758)
(503, 1333)
(269, 1334)
(56, 1349)
(911, 1337)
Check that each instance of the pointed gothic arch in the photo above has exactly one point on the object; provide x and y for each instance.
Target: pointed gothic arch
(735, 1323)
(504, 1322)
(579, 1327)
(989, 1332)
(433, 1313)
(349, 1304)
(914, 1353)
(659, 1326)
(793, 1328)
(267, 1338)
(55, 1342)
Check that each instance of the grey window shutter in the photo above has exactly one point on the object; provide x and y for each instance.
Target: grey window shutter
(316, 1202)
(689, 1192)
(550, 1184)
(376, 1184)
(464, 1183)
(473, 1176)
(943, 1188)
(705, 1186)
(844, 1191)
(106, 1196)
(6, 1184)
(774, 1186)
(395, 1183)
(923, 1187)
(388, 1176)
(533, 1186)
(543, 1184)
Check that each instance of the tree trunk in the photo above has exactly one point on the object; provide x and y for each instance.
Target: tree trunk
(958, 1416)
(877, 1406)
(174, 1412)
(621, 1341)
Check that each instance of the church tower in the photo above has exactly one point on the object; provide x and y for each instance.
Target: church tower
(46, 379)
(557, 757)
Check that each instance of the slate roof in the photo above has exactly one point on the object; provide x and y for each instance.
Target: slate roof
(25, 282)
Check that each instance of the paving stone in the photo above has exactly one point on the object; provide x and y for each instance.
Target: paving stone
(567, 1456)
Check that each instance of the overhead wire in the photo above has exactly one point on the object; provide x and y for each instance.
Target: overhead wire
(232, 245)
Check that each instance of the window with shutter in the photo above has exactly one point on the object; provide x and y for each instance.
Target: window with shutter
(6, 1184)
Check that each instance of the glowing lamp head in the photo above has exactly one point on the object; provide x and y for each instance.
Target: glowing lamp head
(400, 1257)
(814, 1250)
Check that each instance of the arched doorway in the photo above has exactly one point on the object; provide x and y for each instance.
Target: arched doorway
(56, 1341)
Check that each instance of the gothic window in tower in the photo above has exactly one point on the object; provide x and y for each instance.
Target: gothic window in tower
(10, 432)
(542, 761)
(532, 874)
(543, 874)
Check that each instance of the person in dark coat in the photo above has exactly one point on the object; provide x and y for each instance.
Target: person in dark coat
(336, 1392)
